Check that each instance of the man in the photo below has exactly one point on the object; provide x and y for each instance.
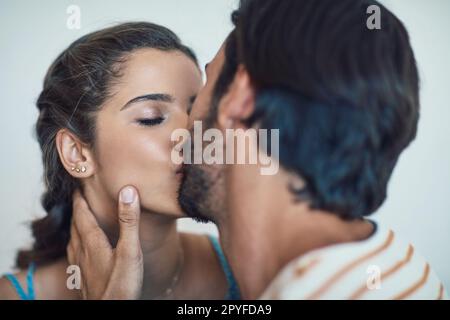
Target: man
(345, 100)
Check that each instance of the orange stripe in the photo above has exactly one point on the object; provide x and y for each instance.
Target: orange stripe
(415, 287)
(301, 270)
(298, 272)
(441, 292)
(275, 296)
(350, 266)
(358, 293)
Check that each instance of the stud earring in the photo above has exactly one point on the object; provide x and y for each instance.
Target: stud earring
(79, 169)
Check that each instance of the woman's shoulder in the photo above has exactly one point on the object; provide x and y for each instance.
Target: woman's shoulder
(209, 253)
(48, 282)
(7, 290)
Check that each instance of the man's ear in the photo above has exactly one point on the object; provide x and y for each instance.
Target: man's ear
(238, 103)
(75, 156)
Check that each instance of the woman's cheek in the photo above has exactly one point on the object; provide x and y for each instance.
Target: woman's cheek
(140, 157)
(145, 161)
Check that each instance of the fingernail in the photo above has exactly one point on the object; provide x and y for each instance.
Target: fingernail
(127, 195)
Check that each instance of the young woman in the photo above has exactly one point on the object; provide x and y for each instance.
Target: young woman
(106, 113)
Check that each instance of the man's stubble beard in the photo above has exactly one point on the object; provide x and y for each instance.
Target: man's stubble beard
(202, 190)
(200, 193)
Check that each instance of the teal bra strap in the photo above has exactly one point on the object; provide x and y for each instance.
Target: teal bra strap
(233, 289)
(15, 283)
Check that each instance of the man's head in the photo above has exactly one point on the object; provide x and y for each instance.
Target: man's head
(345, 99)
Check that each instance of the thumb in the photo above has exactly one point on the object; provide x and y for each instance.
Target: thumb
(129, 213)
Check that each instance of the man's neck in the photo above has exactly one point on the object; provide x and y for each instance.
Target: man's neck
(265, 229)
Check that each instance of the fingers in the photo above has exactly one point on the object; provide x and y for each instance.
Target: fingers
(82, 217)
(71, 255)
(74, 245)
(129, 213)
(86, 230)
(74, 236)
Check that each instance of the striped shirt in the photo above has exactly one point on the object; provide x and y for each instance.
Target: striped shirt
(381, 267)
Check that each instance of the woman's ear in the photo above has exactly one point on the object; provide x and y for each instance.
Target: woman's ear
(75, 156)
(238, 104)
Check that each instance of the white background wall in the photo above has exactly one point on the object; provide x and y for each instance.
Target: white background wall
(32, 33)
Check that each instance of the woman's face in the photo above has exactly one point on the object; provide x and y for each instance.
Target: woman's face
(151, 99)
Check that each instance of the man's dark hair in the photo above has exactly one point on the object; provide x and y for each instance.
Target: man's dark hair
(345, 98)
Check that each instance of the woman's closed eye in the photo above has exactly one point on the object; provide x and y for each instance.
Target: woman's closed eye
(150, 121)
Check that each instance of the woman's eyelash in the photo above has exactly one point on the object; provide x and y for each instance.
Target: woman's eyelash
(150, 121)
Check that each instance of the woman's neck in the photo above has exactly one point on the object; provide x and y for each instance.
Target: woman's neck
(163, 255)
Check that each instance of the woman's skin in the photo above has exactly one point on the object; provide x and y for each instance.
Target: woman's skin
(152, 98)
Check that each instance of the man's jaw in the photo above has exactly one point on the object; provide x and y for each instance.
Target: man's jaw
(193, 194)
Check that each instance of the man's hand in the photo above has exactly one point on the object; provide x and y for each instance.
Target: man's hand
(106, 272)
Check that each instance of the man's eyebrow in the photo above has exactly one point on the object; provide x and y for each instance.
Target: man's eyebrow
(152, 96)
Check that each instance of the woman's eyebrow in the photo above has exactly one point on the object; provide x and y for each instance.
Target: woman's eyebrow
(152, 96)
